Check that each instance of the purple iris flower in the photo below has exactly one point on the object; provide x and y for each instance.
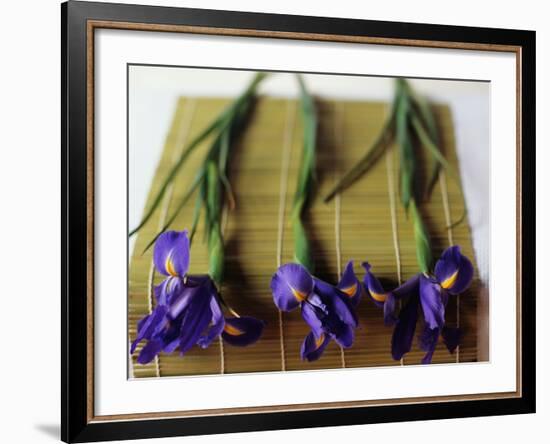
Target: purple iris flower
(452, 275)
(329, 311)
(188, 309)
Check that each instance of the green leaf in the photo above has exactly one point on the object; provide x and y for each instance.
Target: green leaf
(422, 109)
(224, 119)
(196, 182)
(306, 174)
(173, 172)
(374, 153)
(213, 204)
(222, 166)
(429, 145)
(427, 142)
(207, 222)
(405, 147)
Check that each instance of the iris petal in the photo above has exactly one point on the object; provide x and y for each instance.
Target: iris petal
(242, 331)
(403, 333)
(336, 302)
(148, 353)
(196, 318)
(171, 346)
(182, 301)
(171, 254)
(342, 307)
(313, 315)
(432, 302)
(149, 326)
(313, 347)
(345, 336)
(407, 290)
(373, 286)
(168, 290)
(389, 309)
(291, 285)
(454, 271)
(171, 336)
(218, 323)
(428, 342)
(350, 285)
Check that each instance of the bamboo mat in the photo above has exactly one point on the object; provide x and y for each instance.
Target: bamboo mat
(366, 223)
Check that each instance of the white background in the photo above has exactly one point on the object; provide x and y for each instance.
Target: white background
(29, 180)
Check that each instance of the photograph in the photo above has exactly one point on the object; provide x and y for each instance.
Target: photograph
(264, 222)
(282, 221)
(290, 221)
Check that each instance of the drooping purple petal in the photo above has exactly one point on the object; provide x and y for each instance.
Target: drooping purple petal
(242, 331)
(150, 325)
(168, 289)
(184, 294)
(217, 324)
(403, 332)
(312, 315)
(291, 285)
(345, 336)
(170, 337)
(142, 322)
(182, 301)
(428, 342)
(432, 302)
(196, 318)
(451, 337)
(454, 271)
(350, 285)
(389, 310)
(313, 347)
(409, 288)
(373, 286)
(149, 351)
(316, 300)
(171, 254)
(344, 310)
(336, 302)
(169, 347)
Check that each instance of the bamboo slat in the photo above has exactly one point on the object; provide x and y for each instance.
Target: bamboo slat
(357, 225)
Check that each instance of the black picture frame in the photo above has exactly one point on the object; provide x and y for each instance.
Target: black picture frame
(77, 425)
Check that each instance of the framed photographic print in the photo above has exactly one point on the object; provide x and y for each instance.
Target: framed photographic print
(276, 221)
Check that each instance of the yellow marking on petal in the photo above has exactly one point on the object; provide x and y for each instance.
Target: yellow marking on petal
(233, 331)
(319, 341)
(378, 297)
(169, 265)
(299, 295)
(450, 281)
(350, 291)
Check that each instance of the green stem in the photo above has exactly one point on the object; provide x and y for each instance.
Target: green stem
(422, 240)
(306, 175)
